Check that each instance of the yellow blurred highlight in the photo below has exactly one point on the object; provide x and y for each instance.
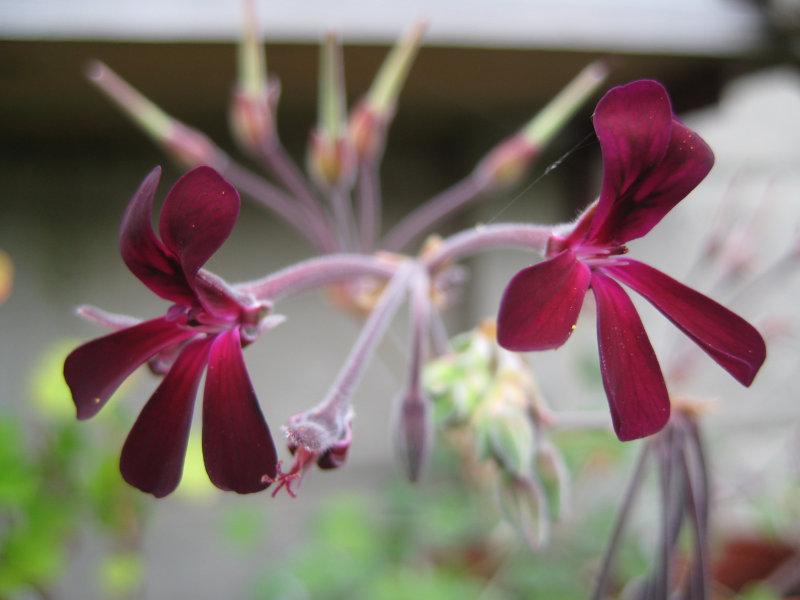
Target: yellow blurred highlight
(6, 275)
(195, 484)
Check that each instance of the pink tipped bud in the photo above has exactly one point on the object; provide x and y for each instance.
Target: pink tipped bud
(188, 146)
(372, 115)
(366, 130)
(330, 154)
(252, 117)
(331, 162)
(6, 275)
(413, 433)
(507, 163)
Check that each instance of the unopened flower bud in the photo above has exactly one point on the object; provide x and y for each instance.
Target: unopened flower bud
(6, 275)
(331, 162)
(507, 163)
(504, 433)
(255, 96)
(413, 433)
(372, 115)
(186, 145)
(252, 117)
(366, 130)
(524, 505)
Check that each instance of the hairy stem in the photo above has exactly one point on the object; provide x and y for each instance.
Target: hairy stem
(278, 161)
(272, 198)
(487, 237)
(369, 201)
(317, 272)
(425, 217)
(343, 216)
(337, 401)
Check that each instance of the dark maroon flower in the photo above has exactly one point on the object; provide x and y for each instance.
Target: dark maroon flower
(651, 162)
(206, 326)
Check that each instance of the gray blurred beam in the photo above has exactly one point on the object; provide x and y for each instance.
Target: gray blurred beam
(680, 27)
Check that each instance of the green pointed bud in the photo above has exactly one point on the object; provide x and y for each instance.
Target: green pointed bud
(556, 476)
(459, 381)
(330, 156)
(524, 505)
(507, 163)
(255, 96)
(187, 146)
(543, 127)
(252, 58)
(504, 432)
(371, 116)
(385, 89)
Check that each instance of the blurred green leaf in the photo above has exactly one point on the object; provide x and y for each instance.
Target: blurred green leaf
(245, 525)
(121, 574)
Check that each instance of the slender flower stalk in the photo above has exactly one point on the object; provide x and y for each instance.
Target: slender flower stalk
(413, 427)
(505, 164)
(191, 148)
(368, 125)
(253, 109)
(338, 397)
(323, 434)
(317, 272)
(624, 514)
(308, 225)
(522, 236)
(331, 161)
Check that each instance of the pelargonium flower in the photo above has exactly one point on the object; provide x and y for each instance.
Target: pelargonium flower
(206, 326)
(651, 161)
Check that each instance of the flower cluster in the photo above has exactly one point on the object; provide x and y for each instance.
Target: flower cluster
(651, 162)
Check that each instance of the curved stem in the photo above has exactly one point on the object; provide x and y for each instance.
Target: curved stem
(343, 216)
(623, 515)
(420, 317)
(278, 161)
(369, 202)
(487, 237)
(423, 218)
(337, 401)
(274, 199)
(316, 272)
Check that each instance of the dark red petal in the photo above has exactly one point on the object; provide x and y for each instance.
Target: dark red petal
(541, 304)
(633, 124)
(143, 252)
(237, 446)
(686, 163)
(198, 216)
(152, 457)
(95, 370)
(727, 338)
(632, 377)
